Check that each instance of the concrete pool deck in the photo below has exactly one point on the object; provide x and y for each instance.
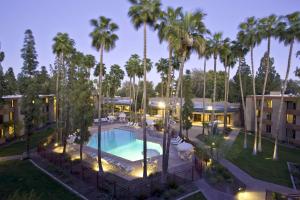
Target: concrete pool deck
(175, 162)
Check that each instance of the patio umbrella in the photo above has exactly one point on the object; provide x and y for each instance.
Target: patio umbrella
(185, 147)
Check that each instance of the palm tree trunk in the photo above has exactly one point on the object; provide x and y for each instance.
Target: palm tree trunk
(100, 112)
(130, 96)
(215, 88)
(275, 152)
(57, 104)
(254, 99)
(180, 118)
(204, 90)
(259, 148)
(225, 99)
(145, 103)
(243, 104)
(134, 98)
(137, 94)
(166, 124)
(179, 87)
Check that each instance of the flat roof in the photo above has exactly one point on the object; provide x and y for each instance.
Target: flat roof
(19, 96)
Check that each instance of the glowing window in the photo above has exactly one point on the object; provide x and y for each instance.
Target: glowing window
(291, 119)
(269, 103)
(10, 130)
(47, 100)
(12, 103)
(11, 116)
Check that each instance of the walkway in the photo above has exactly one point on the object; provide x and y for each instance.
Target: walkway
(255, 188)
(14, 157)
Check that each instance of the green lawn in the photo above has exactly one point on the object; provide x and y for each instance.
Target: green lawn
(262, 166)
(196, 196)
(20, 146)
(25, 178)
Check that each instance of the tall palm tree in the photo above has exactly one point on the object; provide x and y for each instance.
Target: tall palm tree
(288, 33)
(266, 27)
(166, 33)
(189, 37)
(239, 51)
(225, 55)
(63, 47)
(134, 68)
(162, 67)
(144, 12)
(250, 37)
(103, 39)
(216, 45)
(207, 55)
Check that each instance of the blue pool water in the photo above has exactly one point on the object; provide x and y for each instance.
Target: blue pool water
(122, 143)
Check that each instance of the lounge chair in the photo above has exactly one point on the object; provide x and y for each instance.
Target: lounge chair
(177, 142)
(175, 139)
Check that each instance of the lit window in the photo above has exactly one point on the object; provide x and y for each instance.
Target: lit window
(269, 103)
(291, 119)
(11, 116)
(47, 100)
(12, 103)
(10, 130)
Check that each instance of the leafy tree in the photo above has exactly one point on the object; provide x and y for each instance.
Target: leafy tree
(188, 106)
(2, 84)
(103, 39)
(116, 75)
(30, 106)
(273, 82)
(43, 80)
(125, 90)
(293, 87)
(10, 82)
(234, 93)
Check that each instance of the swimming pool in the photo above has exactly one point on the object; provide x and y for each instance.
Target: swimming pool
(122, 143)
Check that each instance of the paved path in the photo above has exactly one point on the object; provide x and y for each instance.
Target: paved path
(14, 157)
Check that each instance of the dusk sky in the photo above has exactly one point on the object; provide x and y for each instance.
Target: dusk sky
(47, 18)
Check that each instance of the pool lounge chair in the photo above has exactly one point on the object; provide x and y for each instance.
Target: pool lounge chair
(177, 142)
(175, 139)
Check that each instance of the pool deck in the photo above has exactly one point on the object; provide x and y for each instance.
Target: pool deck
(175, 162)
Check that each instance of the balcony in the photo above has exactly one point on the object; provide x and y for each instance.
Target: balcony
(293, 111)
(293, 126)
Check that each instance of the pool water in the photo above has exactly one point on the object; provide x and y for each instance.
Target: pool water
(122, 143)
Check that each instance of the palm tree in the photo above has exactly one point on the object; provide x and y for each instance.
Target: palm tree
(250, 37)
(239, 51)
(103, 39)
(216, 45)
(266, 27)
(225, 56)
(144, 12)
(63, 46)
(166, 33)
(189, 37)
(162, 67)
(207, 55)
(288, 32)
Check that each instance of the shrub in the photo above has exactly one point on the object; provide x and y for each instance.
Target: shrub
(157, 192)
(172, 184)
(141, 197)
(167, 195)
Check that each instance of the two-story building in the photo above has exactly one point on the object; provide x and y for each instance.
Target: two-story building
(11, 119)
(289, 125)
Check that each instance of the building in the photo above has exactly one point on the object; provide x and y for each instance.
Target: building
(11, 119)
(157, 108)
(289, 126)
(116, 104)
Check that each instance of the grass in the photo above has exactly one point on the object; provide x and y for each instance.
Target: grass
(20, 146)
(262, 166)
(196, 196)
(24, 178)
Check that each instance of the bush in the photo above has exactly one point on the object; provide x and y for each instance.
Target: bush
(167, 195)
(157, 192)
(172, 184)
(174, 192)
(141, 197)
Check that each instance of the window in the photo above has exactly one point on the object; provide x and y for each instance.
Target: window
(10, 130)
(269, 103)
(291, 119)
(291, 133)
(258, 113)
(291, 105)
(12, 103)
(47, 100)
(1, 119)
(11, 116)
(269, 116)
(268, 128)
